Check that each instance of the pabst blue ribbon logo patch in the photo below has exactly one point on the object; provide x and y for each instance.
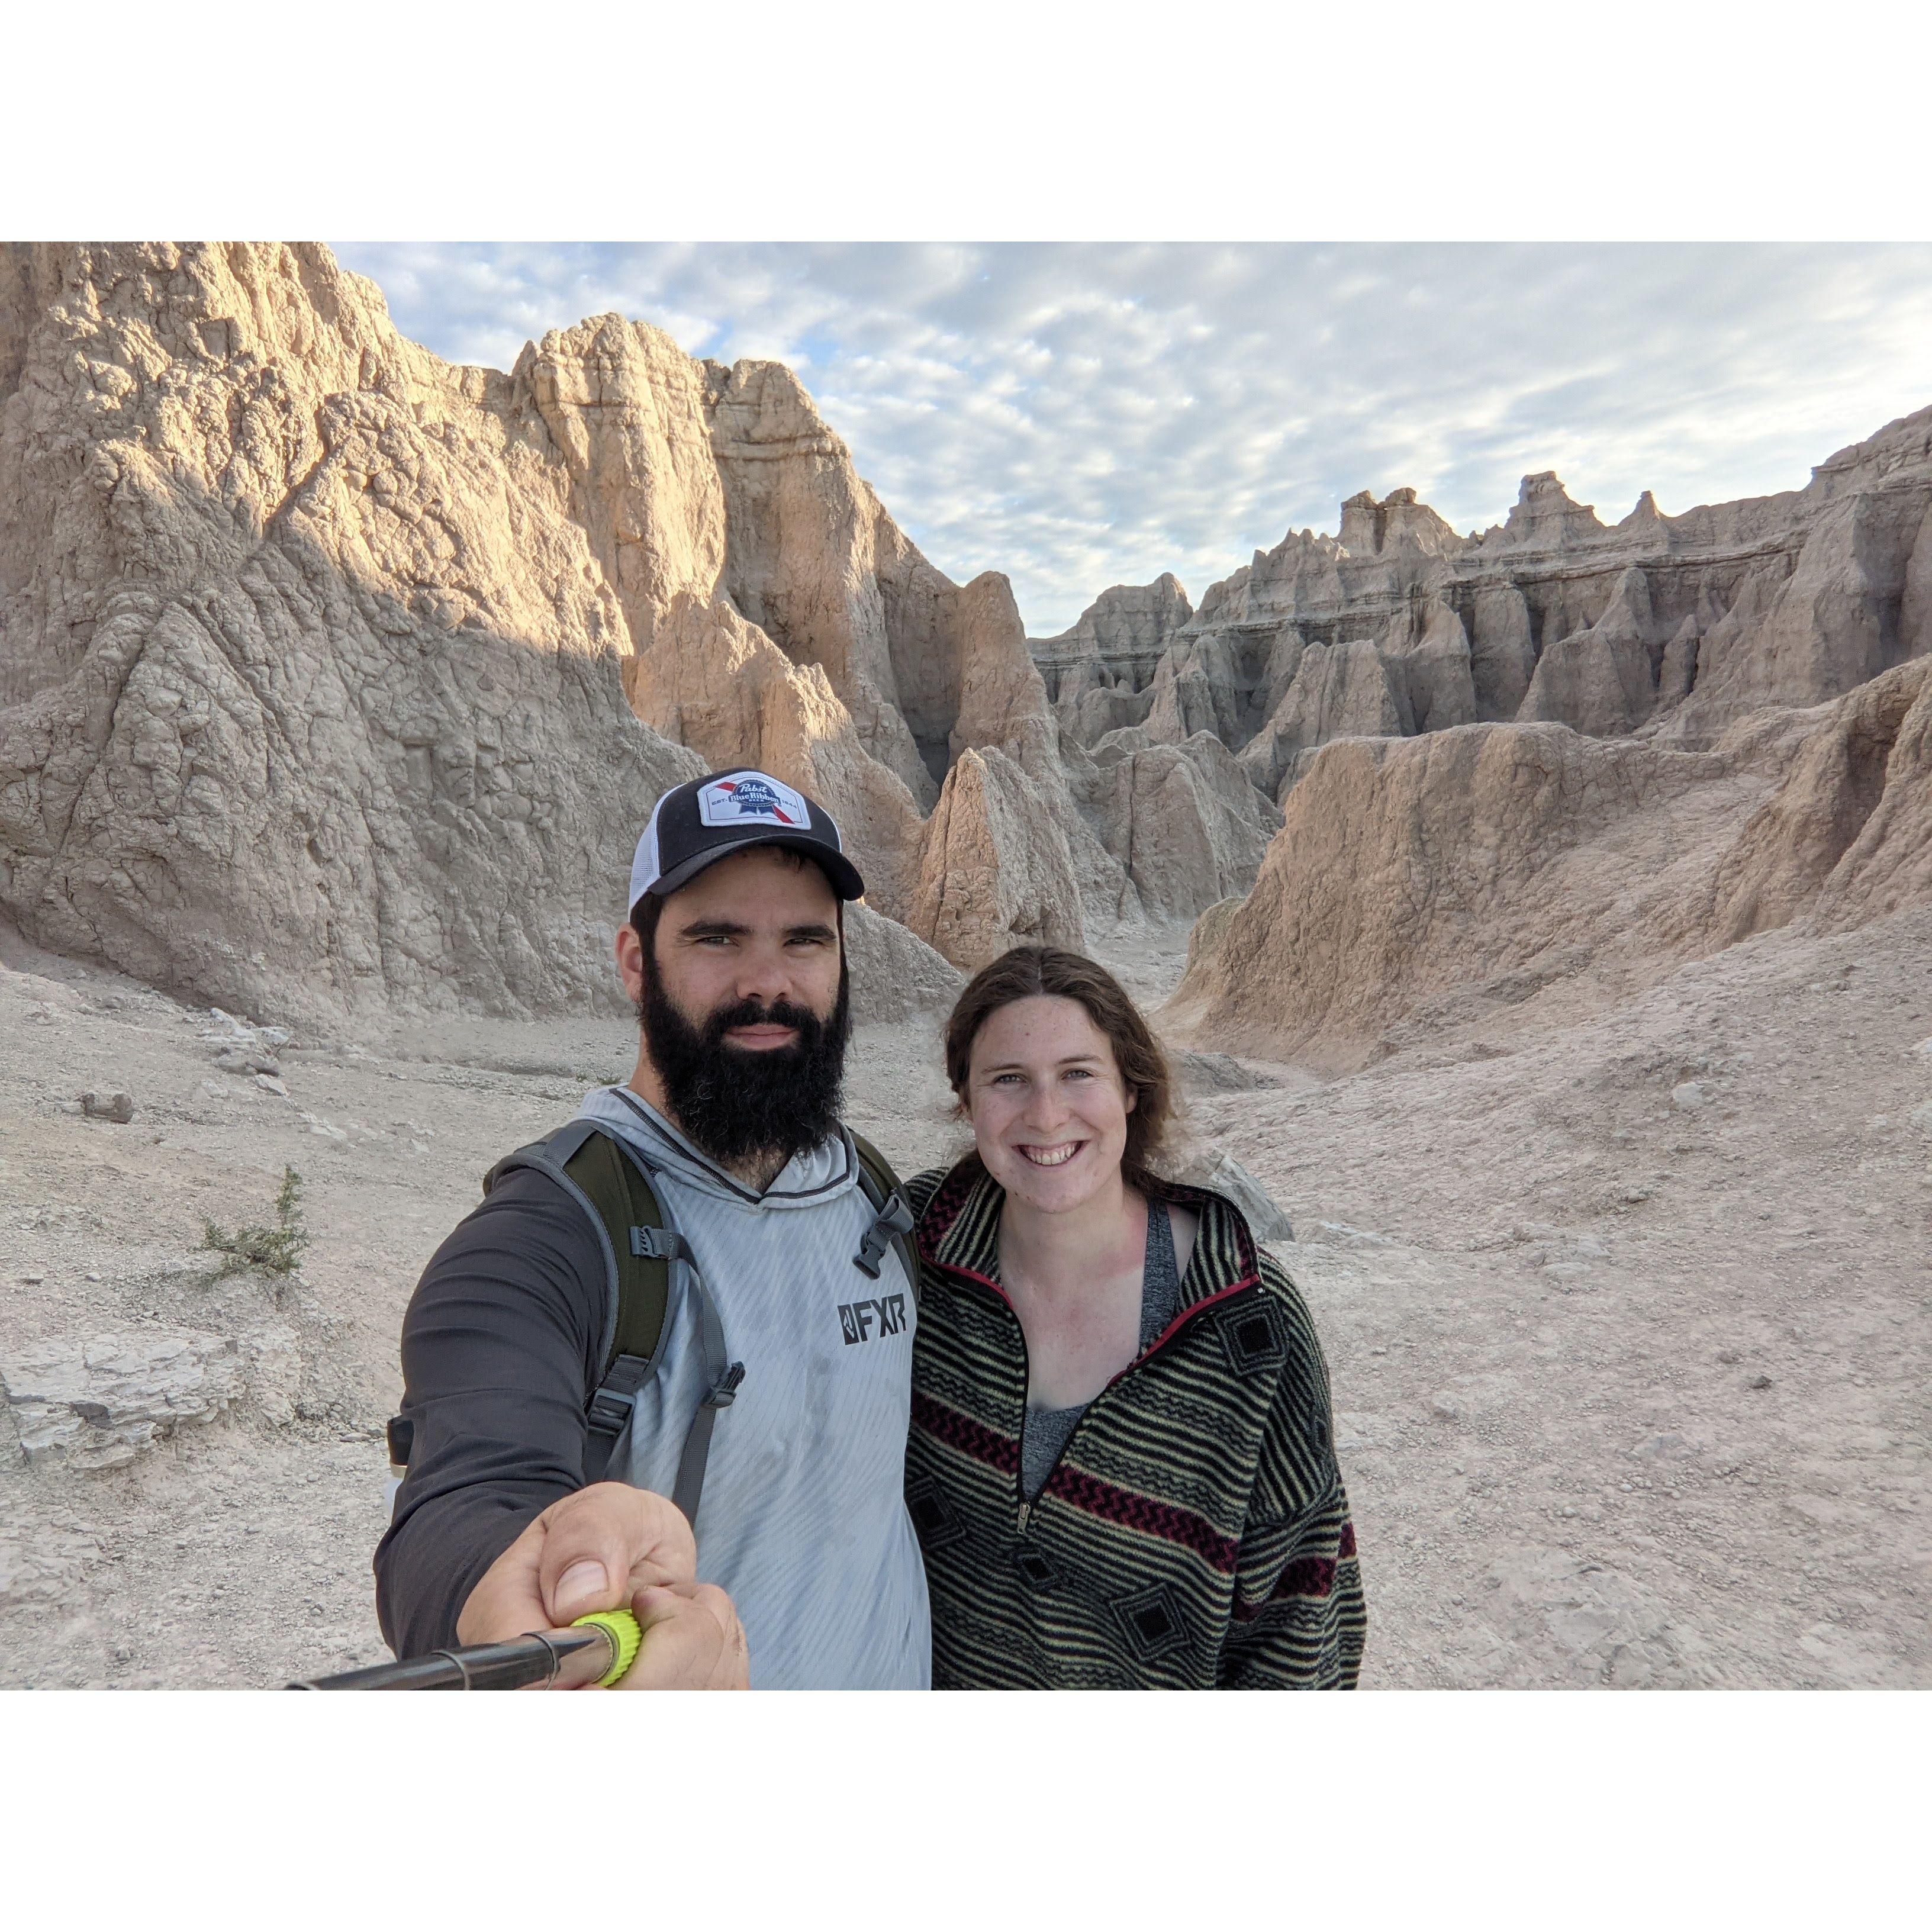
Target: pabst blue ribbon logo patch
(751, 797)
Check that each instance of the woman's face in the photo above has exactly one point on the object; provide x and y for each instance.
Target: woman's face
(1047, 1105)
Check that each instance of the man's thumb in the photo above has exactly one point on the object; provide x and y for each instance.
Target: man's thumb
(598, 1543)
(584, 1586)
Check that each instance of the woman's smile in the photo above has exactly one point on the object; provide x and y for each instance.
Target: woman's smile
(1051, 1156)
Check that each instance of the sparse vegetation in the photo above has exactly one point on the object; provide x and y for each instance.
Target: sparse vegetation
(277, 1249)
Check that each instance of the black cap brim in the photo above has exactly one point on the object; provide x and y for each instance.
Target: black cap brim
(838, 869)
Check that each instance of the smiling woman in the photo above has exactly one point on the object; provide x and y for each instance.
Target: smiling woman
(1121, 1466)
(1035, 997)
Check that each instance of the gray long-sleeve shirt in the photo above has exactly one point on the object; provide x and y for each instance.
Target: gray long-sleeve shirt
(803, 1519)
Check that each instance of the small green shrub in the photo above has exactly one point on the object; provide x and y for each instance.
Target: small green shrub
(277, 1248)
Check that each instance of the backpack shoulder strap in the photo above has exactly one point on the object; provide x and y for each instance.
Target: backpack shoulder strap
(639, 1242)
(892, 1224)
(616, 1194)
(622, 1206)
(640, 1231)
(655, 1240)
(550, 1157)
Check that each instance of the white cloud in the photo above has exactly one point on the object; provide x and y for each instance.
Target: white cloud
(1085, 414)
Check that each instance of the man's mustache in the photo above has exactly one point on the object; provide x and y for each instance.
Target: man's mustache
(748, 1011)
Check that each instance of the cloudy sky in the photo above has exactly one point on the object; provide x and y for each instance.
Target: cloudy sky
(1082, 414)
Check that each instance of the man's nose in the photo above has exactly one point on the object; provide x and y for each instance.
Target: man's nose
(763, 975)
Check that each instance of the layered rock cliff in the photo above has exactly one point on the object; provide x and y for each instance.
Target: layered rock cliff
(310, 674)
(1676, 626)
(1440, 878)
(1554, 750)
(331, 673)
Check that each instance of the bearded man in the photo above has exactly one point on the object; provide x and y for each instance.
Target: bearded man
(734, 957)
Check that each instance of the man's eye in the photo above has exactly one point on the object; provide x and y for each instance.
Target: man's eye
(1080, 1073)
(1000, 1079)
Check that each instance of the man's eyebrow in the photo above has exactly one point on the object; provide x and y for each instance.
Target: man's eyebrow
(727, 929)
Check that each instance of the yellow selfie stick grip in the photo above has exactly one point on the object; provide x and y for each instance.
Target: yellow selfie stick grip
(625, 1637)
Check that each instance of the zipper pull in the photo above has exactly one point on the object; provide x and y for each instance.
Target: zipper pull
(1026, 1510)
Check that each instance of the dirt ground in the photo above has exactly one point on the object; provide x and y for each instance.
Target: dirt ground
(1626, 1311)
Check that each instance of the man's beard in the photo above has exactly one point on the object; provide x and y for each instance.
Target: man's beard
(737, 1103)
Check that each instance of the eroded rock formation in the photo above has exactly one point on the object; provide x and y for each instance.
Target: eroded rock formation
(332, 675)
(314, 678)
(994, 868)
(1181, 819)
(1398, 625)
(1453, 873)
(1685, 730)
(1100, 670)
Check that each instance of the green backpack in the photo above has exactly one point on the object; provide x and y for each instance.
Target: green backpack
(612, 1183)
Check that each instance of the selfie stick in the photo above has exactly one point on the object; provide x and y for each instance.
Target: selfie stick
(531, 1659)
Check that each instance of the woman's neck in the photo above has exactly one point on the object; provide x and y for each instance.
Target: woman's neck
(1060, 1253)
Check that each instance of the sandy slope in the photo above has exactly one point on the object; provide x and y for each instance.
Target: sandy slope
(1633, 1392)
(1548, 1294)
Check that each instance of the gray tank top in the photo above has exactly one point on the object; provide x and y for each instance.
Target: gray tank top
(1046, 1430)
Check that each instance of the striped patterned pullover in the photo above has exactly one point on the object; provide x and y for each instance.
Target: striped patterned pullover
(1194, 1533)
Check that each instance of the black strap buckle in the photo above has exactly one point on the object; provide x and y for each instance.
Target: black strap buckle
(724, 1391)
(894, 1219)
(608, 1412)
(659, 1244)
(610, 1409)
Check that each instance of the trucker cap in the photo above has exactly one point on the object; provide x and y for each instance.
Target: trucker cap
(697, 824)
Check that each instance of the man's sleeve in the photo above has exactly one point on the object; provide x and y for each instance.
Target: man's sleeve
(500, 1351)
(1300, 1621)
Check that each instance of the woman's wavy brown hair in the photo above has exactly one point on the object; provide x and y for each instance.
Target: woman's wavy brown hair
(1028, 971)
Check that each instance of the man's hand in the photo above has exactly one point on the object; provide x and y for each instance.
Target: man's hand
(693, 1641)
(611, 1546)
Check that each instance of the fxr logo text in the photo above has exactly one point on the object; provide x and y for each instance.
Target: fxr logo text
(860, 1320)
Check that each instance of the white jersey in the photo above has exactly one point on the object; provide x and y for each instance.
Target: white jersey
(803, 1519)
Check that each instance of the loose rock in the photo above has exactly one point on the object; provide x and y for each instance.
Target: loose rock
(1219, 1073)
(1221, 1174)
(99, 1400)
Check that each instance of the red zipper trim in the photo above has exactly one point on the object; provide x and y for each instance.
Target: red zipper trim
(984, 1281)
(1181, 1321)
(1159, 1341)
